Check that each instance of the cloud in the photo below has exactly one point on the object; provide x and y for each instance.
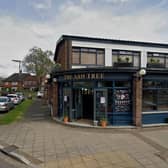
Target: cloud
(144, 25)
(85, 1)
(18, 37)
(117, 1)
(2, 66)
(42, 4)
(79, 19)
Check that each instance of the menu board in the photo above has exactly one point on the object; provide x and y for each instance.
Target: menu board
(122, 100)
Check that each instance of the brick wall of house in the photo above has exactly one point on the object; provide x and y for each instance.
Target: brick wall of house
(30, 81)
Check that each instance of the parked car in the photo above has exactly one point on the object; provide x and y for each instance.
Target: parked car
(40, 94)
(15, 99)
(21, 96)
(5, 103)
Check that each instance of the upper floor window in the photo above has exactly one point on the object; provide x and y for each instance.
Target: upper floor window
(157, 60)
(88, 56)
(125, 58)
(14, 83)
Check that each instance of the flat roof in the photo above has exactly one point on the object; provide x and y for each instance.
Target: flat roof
(106, 40)
(109, 41)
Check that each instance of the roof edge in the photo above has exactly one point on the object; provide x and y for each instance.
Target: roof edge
(108, 41)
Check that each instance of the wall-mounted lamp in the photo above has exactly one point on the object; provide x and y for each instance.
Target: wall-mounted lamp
(142, 72)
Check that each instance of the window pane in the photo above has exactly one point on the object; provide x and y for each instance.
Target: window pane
(123, 57)
(114, 52)
(92, 50)
(84, 49)
(75, 49)
(115, 59)
(149, 100)
(156, 62)
(100, 58)
(88, 58)
(136, 61)
(127, 58)
(75, 58)
(167, 62)
(163, 100)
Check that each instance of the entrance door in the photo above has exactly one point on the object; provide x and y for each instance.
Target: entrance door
(100, 104)
(87, 103)
(77, 104)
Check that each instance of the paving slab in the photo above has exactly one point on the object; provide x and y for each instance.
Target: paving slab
(57, 145)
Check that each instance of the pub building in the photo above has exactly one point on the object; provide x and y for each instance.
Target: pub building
(125, 82)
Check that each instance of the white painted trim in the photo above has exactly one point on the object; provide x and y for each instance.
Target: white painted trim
(154, 125)
(78, 66)
(155, 112)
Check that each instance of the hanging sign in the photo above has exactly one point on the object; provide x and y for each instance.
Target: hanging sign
(65, 98)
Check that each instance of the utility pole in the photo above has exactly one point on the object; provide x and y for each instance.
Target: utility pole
(20, 71)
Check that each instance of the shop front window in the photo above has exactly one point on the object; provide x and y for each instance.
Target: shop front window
(155, 96)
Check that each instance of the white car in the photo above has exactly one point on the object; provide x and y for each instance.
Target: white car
(14, 98)
(40, 94)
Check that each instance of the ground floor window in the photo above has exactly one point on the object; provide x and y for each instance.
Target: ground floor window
(94, 100)
(155, 96)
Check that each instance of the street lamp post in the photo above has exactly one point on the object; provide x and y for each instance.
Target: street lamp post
(20, 71)
(18, 61)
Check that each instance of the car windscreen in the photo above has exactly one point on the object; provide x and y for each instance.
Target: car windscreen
(3, 100)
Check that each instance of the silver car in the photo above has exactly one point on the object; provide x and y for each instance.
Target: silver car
(20, 95)
(15, 99)
(5, 104)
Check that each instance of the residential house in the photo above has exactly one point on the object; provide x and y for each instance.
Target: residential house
(19, 81)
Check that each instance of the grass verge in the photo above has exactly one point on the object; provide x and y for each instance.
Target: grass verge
(15, 114)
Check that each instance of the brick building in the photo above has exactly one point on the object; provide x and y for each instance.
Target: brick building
(125, 82)
(18, 81)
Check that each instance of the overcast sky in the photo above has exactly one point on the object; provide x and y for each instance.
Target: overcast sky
(28, 23)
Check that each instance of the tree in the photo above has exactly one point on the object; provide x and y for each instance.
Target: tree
(39, 62)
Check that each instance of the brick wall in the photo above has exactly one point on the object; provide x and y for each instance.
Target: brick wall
(137, 101)
(55, 98)
(64, 54)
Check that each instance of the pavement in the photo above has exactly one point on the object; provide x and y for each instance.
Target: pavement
(59, 146)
